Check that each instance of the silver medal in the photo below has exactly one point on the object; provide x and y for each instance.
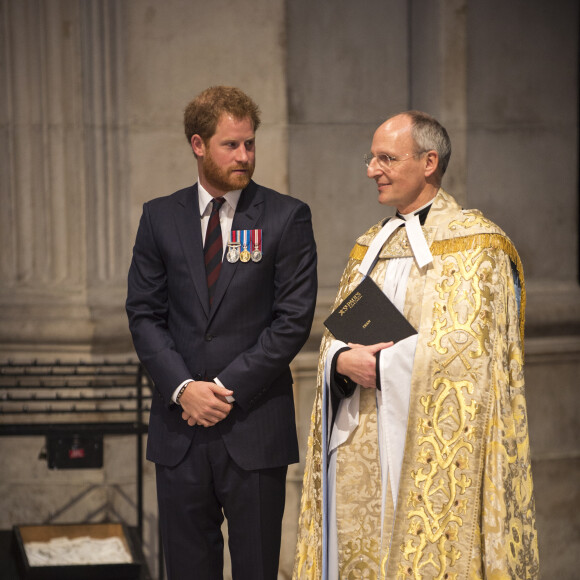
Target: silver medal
(233, 254)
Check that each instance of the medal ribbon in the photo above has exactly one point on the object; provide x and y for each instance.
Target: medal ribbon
(235, 237)
(257, 240)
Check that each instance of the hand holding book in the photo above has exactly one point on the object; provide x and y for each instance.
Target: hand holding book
(358, 363)
(368, 322)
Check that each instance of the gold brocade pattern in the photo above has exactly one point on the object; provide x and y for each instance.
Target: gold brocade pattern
(465, 502)
(449, 420)
(439, 504)
(308, 561)
(462, 244)
(358, 496)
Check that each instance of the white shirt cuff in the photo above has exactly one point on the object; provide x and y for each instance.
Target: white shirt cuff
(229, 398)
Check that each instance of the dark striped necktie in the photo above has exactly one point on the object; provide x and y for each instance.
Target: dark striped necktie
(212, 250)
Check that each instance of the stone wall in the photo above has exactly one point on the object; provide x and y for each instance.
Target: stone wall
(91, 127)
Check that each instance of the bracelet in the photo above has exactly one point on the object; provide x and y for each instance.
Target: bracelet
(181, 391)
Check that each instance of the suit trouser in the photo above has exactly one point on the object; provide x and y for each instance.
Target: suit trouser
(193, 498)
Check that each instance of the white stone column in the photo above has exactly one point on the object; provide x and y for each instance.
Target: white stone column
(64, 212)
(108, 243)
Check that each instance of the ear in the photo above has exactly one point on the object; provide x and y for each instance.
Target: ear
(198, 146)
(431, 162)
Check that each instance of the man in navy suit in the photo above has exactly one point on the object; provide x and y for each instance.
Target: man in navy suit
(218, 345)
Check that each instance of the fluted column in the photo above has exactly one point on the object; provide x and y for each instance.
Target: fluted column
(106, 168)
(63, 220)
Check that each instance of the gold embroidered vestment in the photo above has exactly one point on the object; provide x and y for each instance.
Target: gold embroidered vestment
(465, 506)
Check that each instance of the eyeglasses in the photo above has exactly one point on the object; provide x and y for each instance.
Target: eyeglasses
(386, 161)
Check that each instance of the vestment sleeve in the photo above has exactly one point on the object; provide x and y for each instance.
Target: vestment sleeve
(308, 561)
(508, 531)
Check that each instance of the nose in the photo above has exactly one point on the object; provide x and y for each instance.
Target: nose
(373, 169)
(242, 154)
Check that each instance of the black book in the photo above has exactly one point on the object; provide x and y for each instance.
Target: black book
(367, 316)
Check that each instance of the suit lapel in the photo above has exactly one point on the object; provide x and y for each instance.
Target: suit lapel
(250, 208)
(188, 225)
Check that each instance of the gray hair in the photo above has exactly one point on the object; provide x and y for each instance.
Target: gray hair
(428, 135)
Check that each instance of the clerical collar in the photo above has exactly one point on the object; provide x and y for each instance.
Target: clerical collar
(412, 223)
(421, 212)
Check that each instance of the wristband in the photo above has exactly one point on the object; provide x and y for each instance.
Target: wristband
(181, 391)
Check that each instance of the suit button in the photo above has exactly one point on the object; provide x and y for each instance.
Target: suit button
(208, 338)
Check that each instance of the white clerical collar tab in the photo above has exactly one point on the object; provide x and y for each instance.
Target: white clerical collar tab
(418, 242)
(416, 237)
(378, 243)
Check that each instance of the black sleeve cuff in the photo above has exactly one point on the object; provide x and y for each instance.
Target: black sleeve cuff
(341, 386)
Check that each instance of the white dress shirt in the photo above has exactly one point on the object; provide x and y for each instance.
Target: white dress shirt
(227, 211)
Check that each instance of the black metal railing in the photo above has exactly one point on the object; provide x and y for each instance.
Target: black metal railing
(100, 397)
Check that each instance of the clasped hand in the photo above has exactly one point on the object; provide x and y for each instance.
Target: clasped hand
(204, 403)
(359, 363)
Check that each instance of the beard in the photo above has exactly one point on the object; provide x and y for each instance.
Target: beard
(223, 178)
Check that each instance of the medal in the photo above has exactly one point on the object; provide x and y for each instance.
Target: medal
(245, 254)
(233, 254)
(245, 245)
(256, 245)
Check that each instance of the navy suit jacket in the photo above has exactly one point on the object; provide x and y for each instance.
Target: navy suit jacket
(260, 318)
